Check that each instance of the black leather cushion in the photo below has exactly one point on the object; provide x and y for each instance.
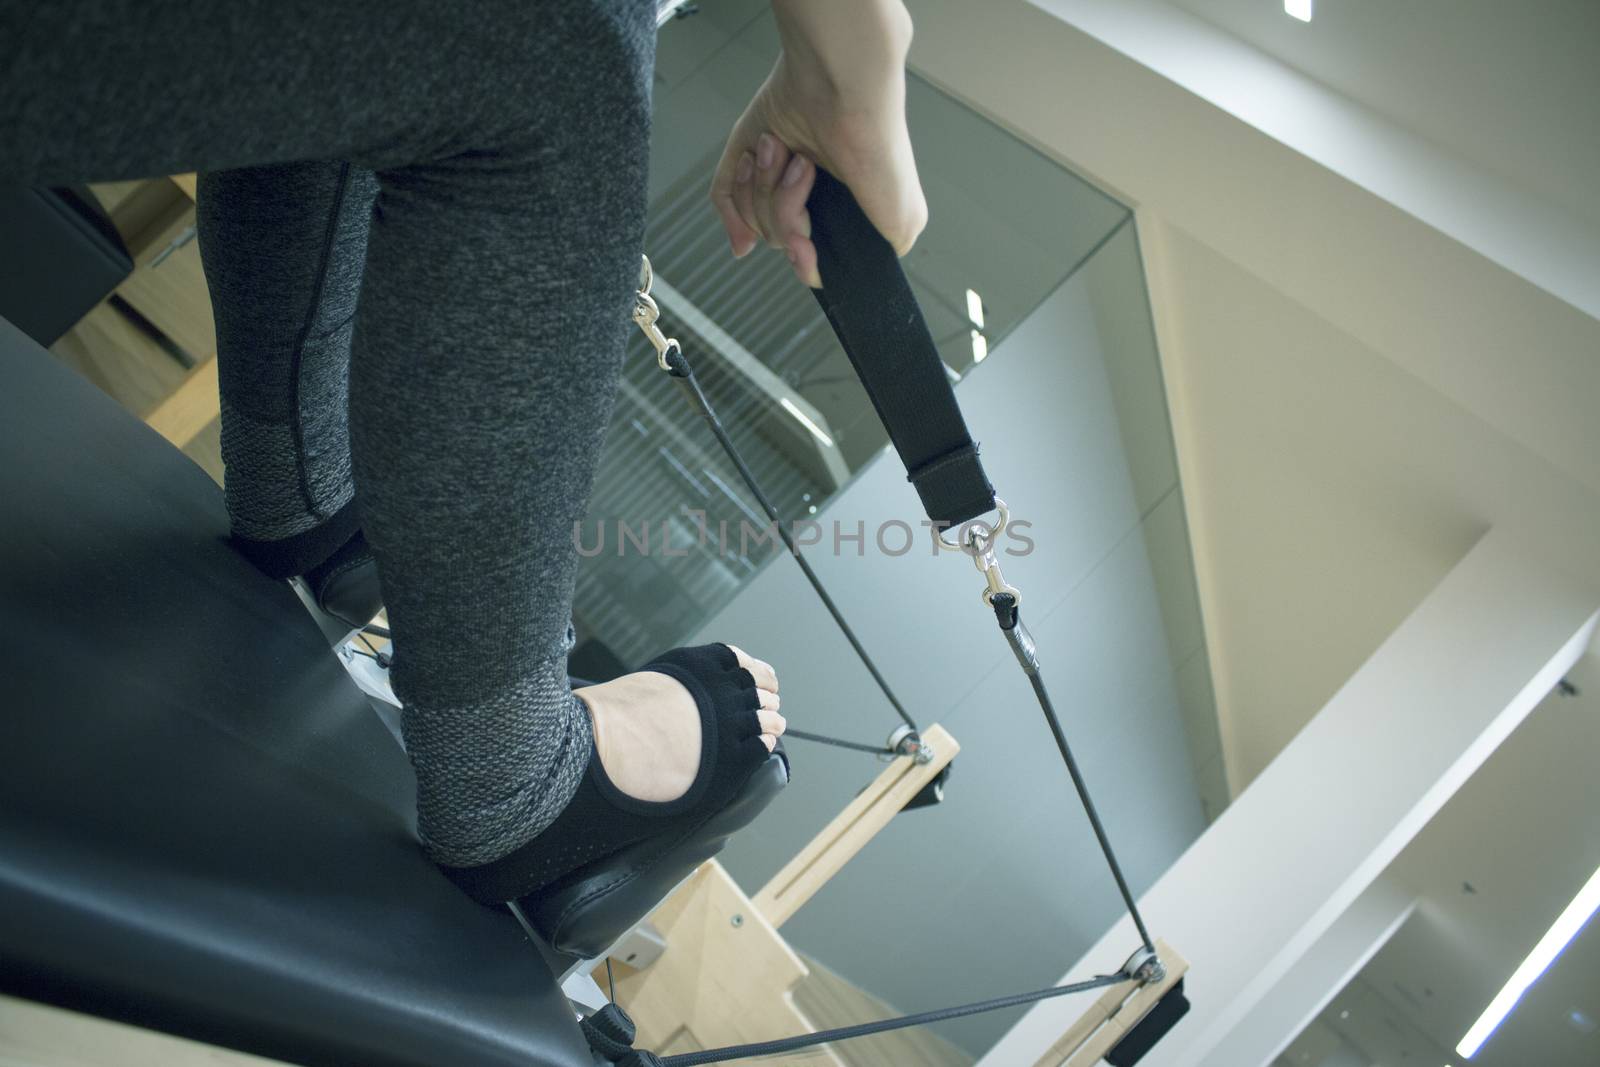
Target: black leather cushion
(59, 257)
(203, 827)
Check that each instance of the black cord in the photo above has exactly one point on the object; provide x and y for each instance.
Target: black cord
(880, 750)
(1006, 613)
(611, 983)
(844, 1033)
(679, 368)
(1010, 619)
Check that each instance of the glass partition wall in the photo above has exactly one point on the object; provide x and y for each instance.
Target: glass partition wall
(1007, 226)
(1017, 247)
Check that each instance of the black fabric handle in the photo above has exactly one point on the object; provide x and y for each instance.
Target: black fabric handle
(870, 305)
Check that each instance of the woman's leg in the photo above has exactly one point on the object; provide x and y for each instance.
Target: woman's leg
(509, 144)
(475, 454)
(284, 248)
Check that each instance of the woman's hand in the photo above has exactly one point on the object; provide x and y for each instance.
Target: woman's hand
(836, 98)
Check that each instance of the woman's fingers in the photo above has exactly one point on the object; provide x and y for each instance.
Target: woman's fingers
(772, 159)
(760, 193)
(794, 221)
(771, 722)
(803, 258)
(789, 215)
(766, 678)
(742, 237)
(744, 194)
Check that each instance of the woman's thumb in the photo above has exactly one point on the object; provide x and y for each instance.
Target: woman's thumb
(890, 194)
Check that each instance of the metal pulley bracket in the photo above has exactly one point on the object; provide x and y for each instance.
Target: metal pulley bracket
(905, 741)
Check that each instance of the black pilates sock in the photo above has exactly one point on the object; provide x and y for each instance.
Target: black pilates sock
(289, 556)
(345, 585)
(601, 819)
(353, 553)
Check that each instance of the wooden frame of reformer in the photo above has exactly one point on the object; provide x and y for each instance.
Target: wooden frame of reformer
(728, 977)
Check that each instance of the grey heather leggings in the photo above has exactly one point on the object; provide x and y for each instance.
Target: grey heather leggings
(436, 208)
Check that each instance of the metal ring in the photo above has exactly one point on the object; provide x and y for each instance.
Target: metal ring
(972, 526)
(672, 345)
(988, 595)
(646, 274)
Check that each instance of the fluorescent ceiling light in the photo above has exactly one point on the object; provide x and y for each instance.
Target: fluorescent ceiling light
(805, 420)
(1300, 9)
(975, 308)
(1556, 938)
(980, 346)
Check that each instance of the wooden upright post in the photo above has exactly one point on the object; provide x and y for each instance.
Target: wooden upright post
(727, 976)
(852, 828)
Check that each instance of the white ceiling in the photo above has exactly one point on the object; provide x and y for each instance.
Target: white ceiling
(1339, 486)
(1356, 396)
(1508, 86)
(1338, 489)
(1522, 835)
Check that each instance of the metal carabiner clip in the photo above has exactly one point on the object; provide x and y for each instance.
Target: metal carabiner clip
(995, 581)
(645, 313)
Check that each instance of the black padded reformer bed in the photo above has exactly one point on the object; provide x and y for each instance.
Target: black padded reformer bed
(204, 828)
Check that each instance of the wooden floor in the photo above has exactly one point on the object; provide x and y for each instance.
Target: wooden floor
(33, 1035)
(135, 369)
(829, 1001)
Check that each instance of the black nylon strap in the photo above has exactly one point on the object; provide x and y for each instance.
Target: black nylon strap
(870, 305)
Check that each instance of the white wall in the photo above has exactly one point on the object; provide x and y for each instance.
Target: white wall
(1311, 833)
(1319, 975)
(1001, 887)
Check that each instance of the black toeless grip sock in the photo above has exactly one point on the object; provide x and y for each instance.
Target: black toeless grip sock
(601, 819)
(353, 553)
(300, 553)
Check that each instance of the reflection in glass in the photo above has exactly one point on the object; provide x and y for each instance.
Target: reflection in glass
(1007, 225)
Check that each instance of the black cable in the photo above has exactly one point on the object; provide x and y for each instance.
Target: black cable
(611, 983)
(378, 631)
(1005, 608)
(383, 658)
(880, 750)
(678, 366)
(844, 1033)
(1006, 613)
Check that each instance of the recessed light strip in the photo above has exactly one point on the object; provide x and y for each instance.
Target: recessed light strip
(1559, 935)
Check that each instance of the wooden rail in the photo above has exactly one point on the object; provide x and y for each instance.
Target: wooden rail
(852, 828)
(727, 976)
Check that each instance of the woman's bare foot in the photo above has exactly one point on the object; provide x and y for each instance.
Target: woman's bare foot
(647, 728)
